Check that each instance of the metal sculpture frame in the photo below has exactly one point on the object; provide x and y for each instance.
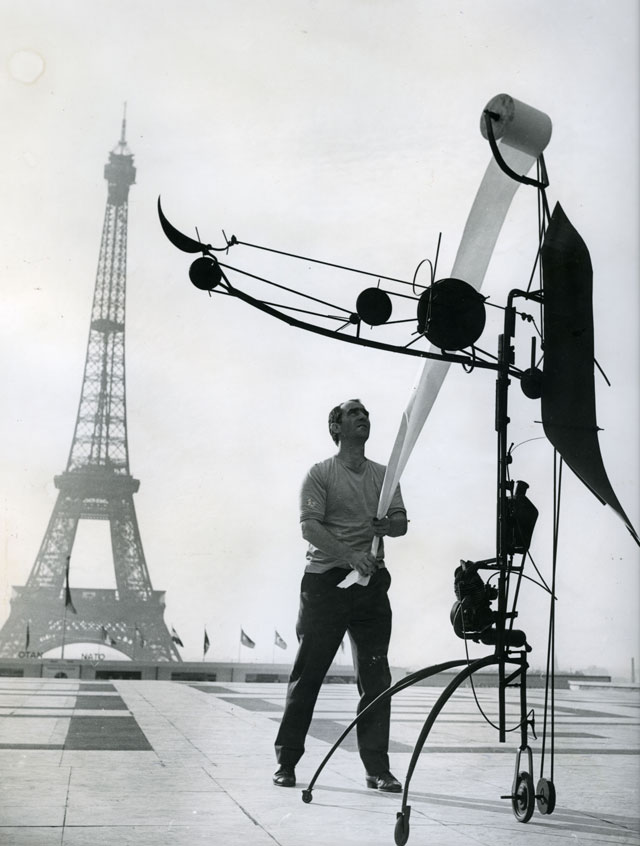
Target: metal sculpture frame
(523, 795)
(509, 655)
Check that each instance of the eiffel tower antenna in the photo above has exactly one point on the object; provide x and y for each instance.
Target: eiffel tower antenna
(97, 483)
(122, 148)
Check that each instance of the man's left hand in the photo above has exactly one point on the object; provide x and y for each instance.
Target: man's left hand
(381, 526)
(394, 525)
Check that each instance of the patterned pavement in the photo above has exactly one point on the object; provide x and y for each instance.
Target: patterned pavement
(131, 762)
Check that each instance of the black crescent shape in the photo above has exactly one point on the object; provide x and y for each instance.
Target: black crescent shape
(182, 242)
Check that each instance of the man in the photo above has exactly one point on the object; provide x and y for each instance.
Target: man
(338, 503)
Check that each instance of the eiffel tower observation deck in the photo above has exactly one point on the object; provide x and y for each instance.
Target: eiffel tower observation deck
(96, 485)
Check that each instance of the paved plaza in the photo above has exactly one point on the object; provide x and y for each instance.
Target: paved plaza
(157, 763)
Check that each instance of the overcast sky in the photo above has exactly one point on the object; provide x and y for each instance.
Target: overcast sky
(346, 131)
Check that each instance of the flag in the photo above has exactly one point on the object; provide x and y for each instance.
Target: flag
(245, 640)
(205, 648)
(67, 591)
(27, 639)
(106, 637)
(342, 646)
(140, 635)
(175, 637)
(279, 641)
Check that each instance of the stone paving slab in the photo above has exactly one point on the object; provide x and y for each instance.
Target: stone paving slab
(171, 764)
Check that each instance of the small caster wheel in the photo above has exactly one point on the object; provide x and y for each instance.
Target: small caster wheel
(546, 796)
(401, 834)
(307, 796)
(523, 799)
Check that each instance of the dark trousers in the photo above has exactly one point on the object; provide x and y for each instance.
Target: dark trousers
(327, 612)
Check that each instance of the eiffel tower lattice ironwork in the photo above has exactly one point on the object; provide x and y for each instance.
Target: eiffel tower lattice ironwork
(96, 484)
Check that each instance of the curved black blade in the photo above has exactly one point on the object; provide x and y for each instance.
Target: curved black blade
(568, 390)
(182, 242)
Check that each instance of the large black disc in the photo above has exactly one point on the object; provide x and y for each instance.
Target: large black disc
(451, 314)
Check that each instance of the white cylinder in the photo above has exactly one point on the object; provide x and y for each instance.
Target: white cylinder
(518, 125)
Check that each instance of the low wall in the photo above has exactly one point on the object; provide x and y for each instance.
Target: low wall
(212, 671)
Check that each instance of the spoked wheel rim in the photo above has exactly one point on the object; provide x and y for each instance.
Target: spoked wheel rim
(523, 799)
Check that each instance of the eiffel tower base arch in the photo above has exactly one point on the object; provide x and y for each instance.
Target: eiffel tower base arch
(134, 626)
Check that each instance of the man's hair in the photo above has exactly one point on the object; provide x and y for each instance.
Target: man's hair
(335, 416)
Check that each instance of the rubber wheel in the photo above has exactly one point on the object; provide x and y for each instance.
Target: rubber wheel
(546, 796)
(401, 833)
(307, 796)
(523, 800)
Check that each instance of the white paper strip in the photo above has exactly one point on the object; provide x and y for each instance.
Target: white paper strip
(523, 134)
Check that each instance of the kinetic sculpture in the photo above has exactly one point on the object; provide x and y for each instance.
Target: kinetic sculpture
(450, 314)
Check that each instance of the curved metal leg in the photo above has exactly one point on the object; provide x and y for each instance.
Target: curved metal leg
(433, 714)
(407, 681)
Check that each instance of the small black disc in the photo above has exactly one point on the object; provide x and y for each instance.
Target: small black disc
(374, 306)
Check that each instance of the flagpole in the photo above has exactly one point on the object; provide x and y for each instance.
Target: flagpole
(239, 644)
(64, 630)
(67, 598)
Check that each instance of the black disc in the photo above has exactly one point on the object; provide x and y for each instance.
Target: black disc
(451, 314)
(545, 796)
(205, 273)
(531, 383)
(524, 798)
(374, 306)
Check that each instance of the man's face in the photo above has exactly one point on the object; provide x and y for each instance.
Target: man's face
(355, 423)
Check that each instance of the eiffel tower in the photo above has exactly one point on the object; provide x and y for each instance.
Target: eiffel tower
(96, 484)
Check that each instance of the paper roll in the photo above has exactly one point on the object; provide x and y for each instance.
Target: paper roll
(523, 134)
(518, 125)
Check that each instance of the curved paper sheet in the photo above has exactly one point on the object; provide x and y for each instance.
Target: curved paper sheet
(182, 242)
(568, 386)
(530, 131)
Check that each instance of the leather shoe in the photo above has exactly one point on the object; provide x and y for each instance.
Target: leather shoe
(285, 777)
(385, 782)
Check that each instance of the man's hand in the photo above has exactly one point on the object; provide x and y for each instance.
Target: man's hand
(394, 526)
(363, 562)
(381, 527)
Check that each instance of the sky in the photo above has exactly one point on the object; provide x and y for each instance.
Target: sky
(348, 132)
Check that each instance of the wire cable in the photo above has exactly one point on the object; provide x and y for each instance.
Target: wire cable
(549, 708)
